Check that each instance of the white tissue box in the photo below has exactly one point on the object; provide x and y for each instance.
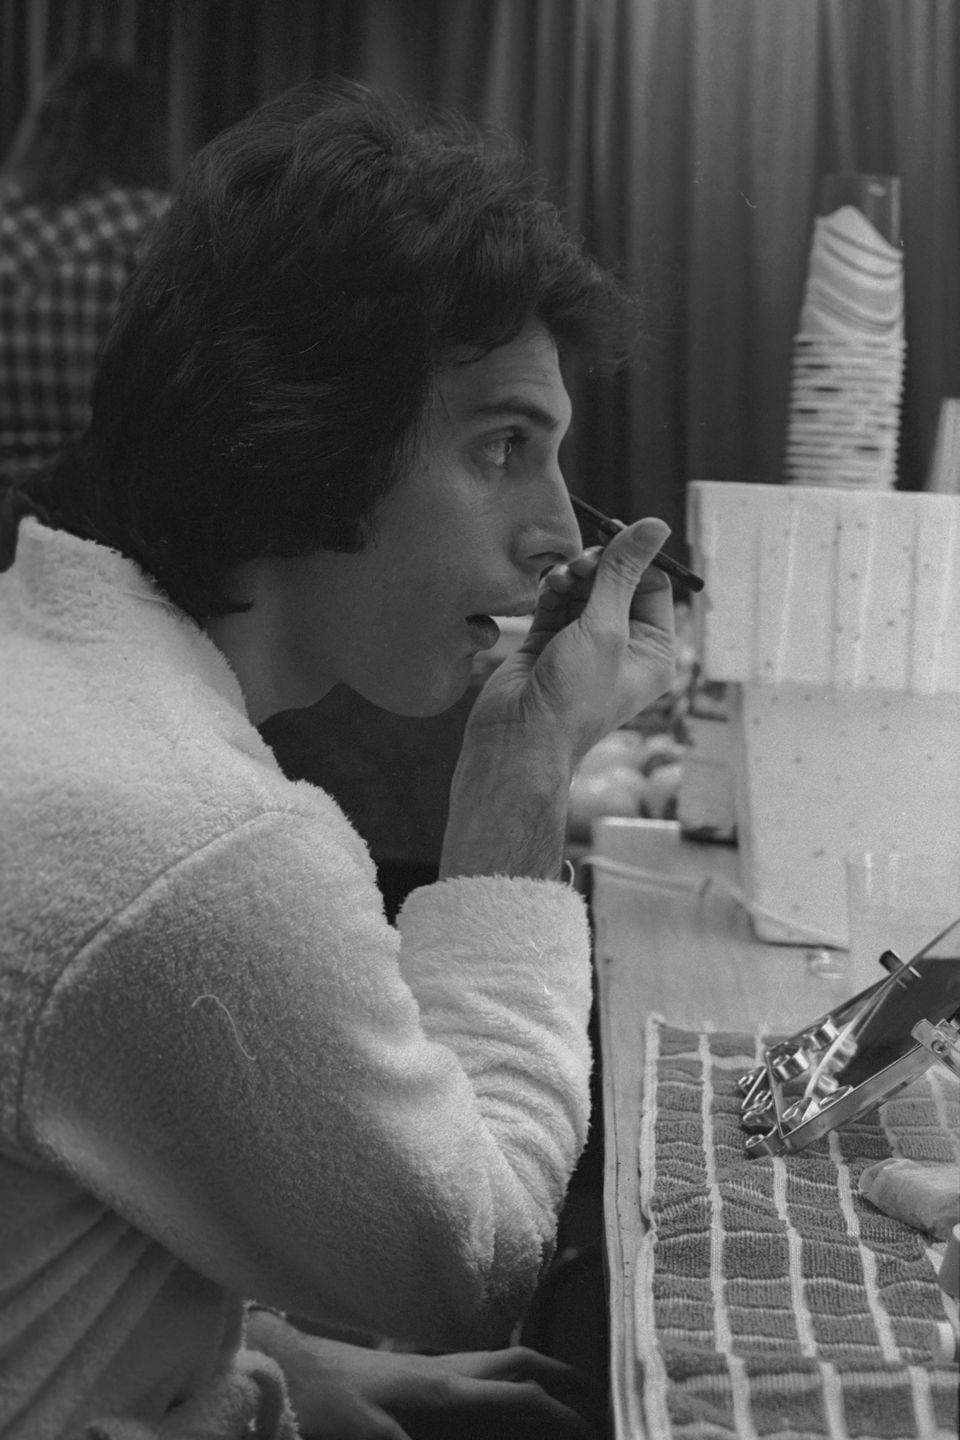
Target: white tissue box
(837, 614)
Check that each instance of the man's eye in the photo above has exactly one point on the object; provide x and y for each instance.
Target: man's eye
(499, 450)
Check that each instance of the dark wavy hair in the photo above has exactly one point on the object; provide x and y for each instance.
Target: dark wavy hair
(97, 122)
(262, 386)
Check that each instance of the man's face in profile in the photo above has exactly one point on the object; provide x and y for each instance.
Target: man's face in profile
(464, 535)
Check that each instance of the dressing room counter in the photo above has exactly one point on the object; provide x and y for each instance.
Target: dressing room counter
(765, 1298)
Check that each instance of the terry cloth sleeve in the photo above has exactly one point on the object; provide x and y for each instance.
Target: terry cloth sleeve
(315, 1109)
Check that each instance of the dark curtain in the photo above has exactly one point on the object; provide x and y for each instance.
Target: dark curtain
(684, 139)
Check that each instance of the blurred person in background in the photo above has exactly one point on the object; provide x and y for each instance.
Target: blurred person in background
(80, 188)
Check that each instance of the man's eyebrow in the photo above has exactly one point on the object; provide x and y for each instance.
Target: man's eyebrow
(515, 405)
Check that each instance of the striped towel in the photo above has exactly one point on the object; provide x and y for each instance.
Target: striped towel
(771, 1300)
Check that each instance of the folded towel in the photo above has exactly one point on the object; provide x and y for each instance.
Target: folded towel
(771, 1299)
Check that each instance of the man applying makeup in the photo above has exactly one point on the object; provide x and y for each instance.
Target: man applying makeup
(323, 450)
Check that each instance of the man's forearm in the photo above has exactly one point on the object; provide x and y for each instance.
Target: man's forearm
(508, 807)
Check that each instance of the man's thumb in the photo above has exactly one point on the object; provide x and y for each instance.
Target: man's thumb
(623, 562)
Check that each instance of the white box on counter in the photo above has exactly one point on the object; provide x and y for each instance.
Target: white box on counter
(837, 614)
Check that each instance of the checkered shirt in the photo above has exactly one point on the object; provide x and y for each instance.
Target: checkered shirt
(61, 273)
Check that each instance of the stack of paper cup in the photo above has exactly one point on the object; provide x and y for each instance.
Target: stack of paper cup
(844, 417)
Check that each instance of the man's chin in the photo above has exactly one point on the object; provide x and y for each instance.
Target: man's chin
(437, 695)
(423, 709)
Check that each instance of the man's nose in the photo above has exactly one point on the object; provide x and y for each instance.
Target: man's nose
(556, 537)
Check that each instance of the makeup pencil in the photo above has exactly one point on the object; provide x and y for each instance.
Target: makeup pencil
(610, 527)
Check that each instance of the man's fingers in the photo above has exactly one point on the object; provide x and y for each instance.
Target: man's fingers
(520, 1409)
(574, 575)
(520, 1366)
(520, 1362)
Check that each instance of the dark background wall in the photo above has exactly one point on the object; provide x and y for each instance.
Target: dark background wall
(686, 140)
